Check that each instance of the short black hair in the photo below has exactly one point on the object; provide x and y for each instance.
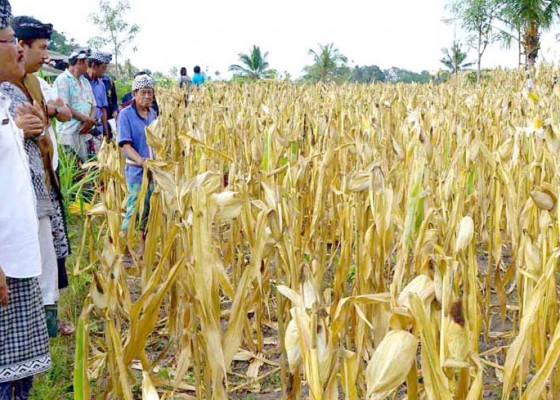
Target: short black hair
(197, 70)
(143, 72)
(28, 42)
(183, 71)
(61, 65)
(74, 61)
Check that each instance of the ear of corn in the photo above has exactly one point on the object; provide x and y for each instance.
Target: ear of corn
(390, 364)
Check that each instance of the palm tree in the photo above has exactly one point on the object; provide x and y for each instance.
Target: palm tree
(326, 63)
(454, 59)
(253, 65)
(533, 17)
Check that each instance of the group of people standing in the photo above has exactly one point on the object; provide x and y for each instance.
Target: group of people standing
(185, 81)
(34, 242)
(91, 95)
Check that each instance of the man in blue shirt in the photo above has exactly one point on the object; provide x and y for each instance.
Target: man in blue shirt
(197, 79)
(132, 123)
(97, 64)
(111, 91)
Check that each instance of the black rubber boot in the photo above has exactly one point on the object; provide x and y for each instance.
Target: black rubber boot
(51, 316)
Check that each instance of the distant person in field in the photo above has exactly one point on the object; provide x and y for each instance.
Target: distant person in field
(197, 79)
(24, 341)
(132, 123)
(126, 100)
(529, 83)
(184, 82)
(184, 79)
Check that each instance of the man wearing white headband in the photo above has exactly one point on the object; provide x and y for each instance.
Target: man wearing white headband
(132, 124)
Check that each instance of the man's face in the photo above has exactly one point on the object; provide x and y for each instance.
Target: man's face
(35, 55)
(81, 66)
(102, 69)
(144, 97)
(11, 57)
(96, 70)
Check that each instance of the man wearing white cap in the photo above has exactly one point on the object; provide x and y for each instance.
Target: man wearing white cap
(74, 89)
(132, 124)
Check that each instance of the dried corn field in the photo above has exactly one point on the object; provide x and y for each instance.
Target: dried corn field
(332, 242)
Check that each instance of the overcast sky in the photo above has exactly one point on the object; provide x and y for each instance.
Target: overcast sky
(210, 33)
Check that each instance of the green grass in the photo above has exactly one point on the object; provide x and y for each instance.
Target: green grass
(56, 384)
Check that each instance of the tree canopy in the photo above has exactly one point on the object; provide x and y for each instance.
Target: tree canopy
(62, 44)
(477, 18)
(116, 32)
(253, 65)
(531, 17)
(327, 61)
(455, 58)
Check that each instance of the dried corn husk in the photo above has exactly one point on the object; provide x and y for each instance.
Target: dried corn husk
(543, 200)
(423, 286)
(389, 366)
(465, 234)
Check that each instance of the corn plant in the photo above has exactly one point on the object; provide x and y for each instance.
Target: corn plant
(366, 242)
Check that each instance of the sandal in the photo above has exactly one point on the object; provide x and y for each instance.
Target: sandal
(66, 328)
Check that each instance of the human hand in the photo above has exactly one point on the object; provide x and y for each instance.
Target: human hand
(46, 145)
(4, 290)
(38, 110)
(64, 114)
(60, 110)
(29, 119)
(87, 124)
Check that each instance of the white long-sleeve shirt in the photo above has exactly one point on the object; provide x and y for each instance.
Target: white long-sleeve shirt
(20, 256)
(49, 94)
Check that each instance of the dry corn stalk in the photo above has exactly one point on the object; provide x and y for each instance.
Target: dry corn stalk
(318, 218)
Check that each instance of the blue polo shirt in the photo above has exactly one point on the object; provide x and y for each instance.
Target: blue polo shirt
(198, 79)
(132, 129)
(100, 95)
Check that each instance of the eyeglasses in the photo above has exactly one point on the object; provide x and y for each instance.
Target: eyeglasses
(13, 40)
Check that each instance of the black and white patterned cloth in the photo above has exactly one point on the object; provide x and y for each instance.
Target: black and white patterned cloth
(24, 341)
(59, 228)
(143, 82)
(31, 28)
(5, 14)
(103, 58)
